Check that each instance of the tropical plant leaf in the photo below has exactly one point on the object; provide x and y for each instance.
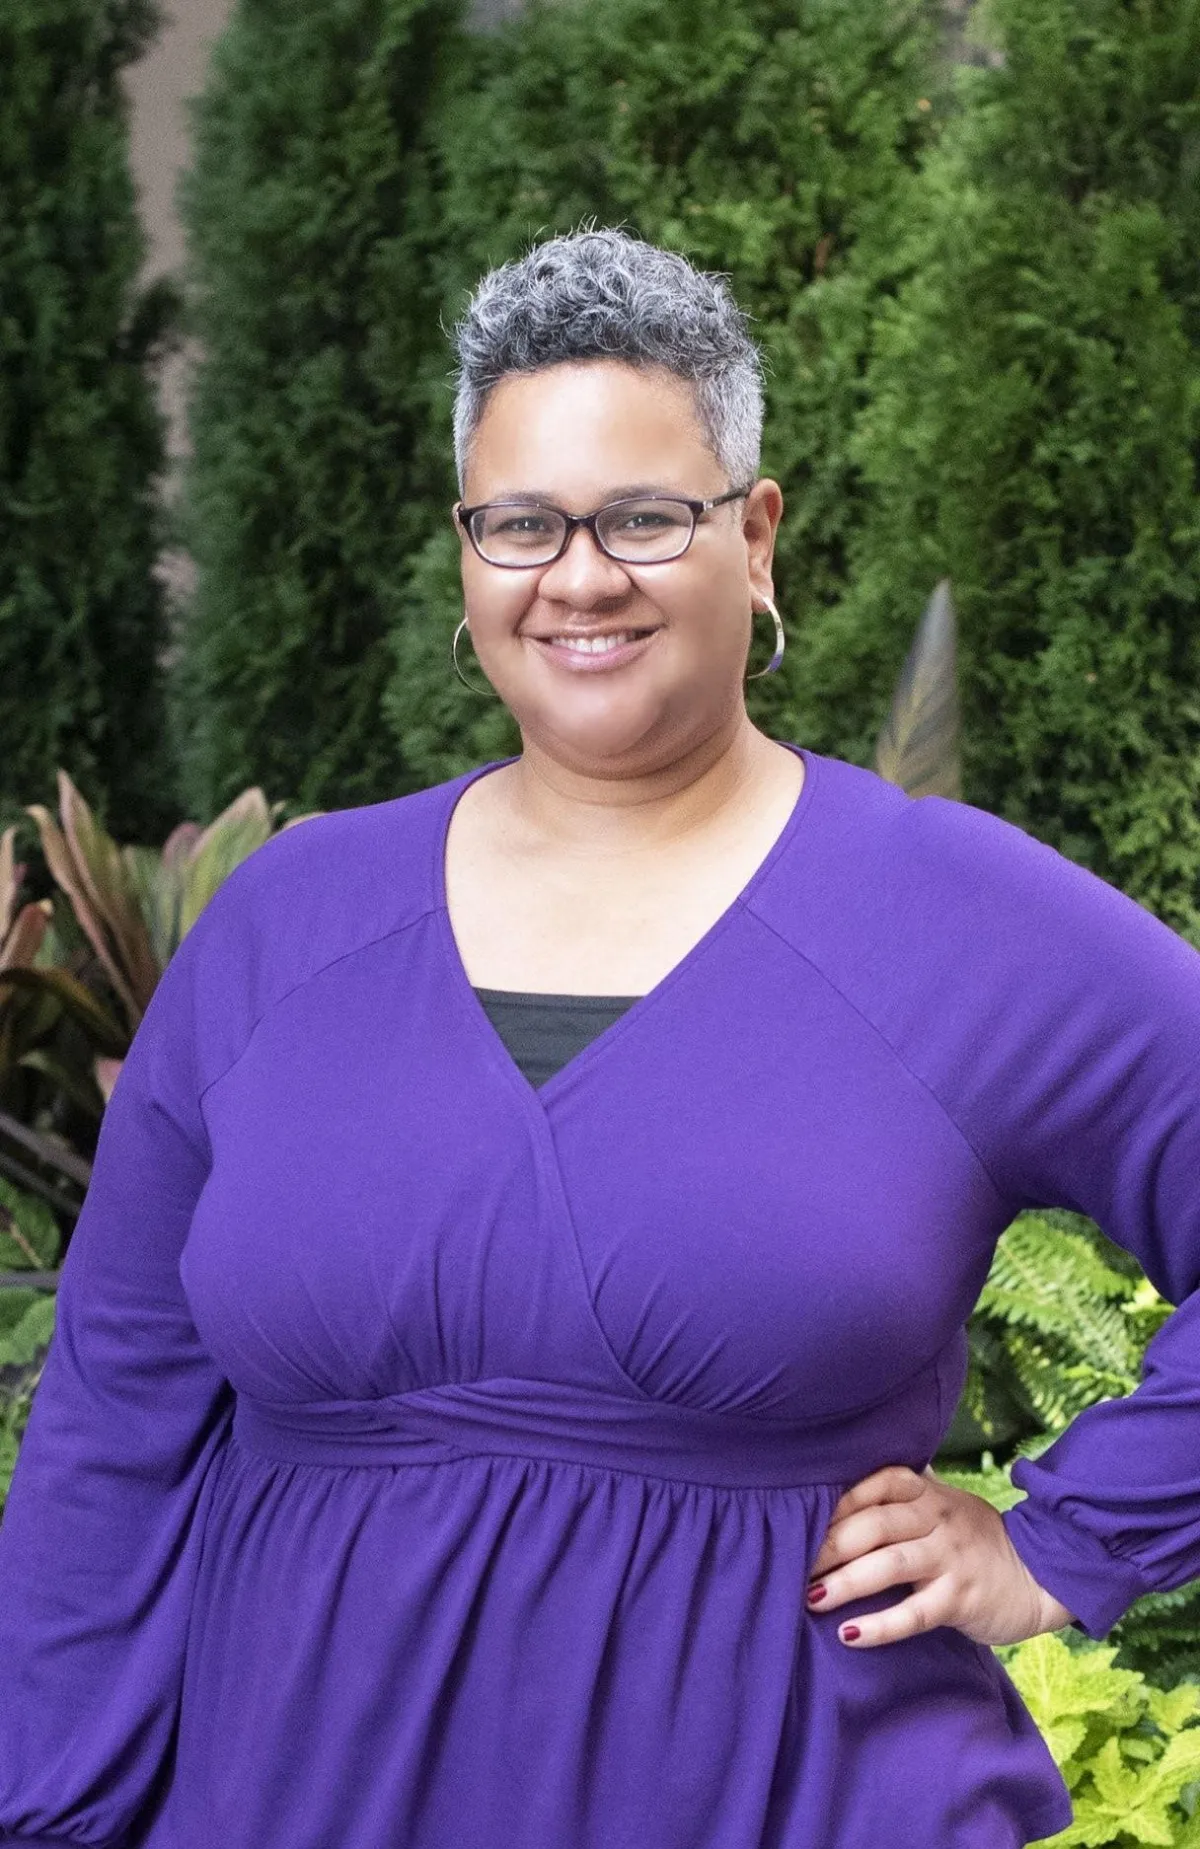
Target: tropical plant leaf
(228, 840)
(26, 934)
(92, 1015)
(47, 1148)
(1171, 1708)
(1146, 1311)
(1126, 1799)
(157, 882)
(103, 875)
(9, 883)
(81, 1087)
(1033, 1260)
(1053, 1322)
(989, 1481)
(918, 747)
(61, 863)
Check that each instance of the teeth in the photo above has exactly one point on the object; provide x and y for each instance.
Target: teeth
(594, 645)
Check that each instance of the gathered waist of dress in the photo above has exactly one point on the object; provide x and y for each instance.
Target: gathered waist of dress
(557, 1422)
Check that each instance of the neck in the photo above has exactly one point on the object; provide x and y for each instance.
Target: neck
(584, 813)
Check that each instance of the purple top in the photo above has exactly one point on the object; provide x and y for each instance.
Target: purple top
(424, 1459)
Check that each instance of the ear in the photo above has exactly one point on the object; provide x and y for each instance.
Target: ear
(762, 511)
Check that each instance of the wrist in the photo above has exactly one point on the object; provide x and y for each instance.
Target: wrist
(1055, 1615)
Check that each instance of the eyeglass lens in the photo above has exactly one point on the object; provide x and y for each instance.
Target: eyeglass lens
(634, 531)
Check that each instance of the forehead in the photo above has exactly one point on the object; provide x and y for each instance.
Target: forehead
(583, 430)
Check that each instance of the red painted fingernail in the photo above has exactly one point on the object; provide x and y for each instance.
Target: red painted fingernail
(849, 1632)
(815, 1594)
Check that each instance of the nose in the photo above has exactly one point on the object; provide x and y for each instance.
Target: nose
(584, 574)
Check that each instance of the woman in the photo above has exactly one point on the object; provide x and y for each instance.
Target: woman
(532, 1234)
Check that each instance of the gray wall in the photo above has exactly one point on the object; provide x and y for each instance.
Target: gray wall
(172, 70)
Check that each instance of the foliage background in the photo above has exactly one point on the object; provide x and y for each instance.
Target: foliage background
(82, 614)
(311, 212)
(975, 290)
(760, 137)
(1031, 427)
(977, 293)
(414, 155)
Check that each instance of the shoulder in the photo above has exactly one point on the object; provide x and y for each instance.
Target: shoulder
(1042, 1007)
(891, 894)
(319, 890)
(372, 853)
(339, 875)
(867, 828)
(1030, 903)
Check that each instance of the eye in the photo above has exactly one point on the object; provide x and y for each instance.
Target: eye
(519, 525)
(646, 520)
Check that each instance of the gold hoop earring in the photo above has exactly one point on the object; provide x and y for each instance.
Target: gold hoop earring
(780, 640)
(454, 657)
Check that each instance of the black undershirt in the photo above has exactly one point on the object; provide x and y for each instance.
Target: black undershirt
(543, 1032)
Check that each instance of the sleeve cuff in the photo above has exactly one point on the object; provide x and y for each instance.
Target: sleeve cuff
(1096, 1587)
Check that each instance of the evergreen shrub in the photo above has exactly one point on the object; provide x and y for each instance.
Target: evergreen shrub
(82, 614)
(1030, 427)
(760, 139)
(311, 206)
(979, 305)
(358, 165)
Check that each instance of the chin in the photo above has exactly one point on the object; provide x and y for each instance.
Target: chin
(602, 741)
(635, 746)
(590, 724)
(605, 737)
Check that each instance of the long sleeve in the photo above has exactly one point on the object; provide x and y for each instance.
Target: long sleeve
(1082, 1090)
(100, 1539)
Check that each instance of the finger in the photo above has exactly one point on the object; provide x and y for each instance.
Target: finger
(894, 1483)
(903, 1563)
(921, 1612)
(871, 1528)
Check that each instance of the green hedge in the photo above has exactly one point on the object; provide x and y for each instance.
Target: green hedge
(358, 165)
(82, 616)
(977, 294)
(311, 208)
(760, 137)
(1031, 427)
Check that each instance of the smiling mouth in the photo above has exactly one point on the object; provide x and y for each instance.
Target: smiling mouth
(596, 645)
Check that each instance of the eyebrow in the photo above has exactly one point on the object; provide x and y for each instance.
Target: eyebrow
(627, 492)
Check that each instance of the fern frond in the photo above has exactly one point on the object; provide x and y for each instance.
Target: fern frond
(1055, 1282)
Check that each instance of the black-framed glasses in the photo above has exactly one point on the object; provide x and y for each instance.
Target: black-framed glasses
(646, 529)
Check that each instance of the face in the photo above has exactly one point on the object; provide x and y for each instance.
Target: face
(579, 436)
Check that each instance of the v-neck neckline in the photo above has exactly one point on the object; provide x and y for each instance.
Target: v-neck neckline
(642, 1005)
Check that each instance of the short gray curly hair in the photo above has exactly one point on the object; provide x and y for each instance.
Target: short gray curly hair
(604, 294)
